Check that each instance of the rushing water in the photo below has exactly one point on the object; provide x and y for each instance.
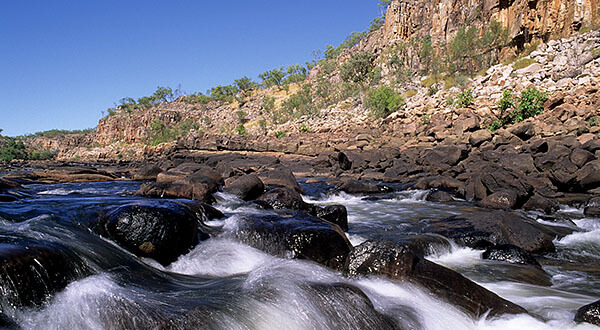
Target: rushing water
(225, 284)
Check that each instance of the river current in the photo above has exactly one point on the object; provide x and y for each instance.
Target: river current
(225, 284)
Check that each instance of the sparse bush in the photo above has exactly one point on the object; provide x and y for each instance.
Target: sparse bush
(300, 103)
(523, 63)
(245, 84)
(357, 68)
(496, 124)
(593, 121)
(160, 132)
(273, 77)
(196, 98)
(410, 93)
(12, 148)
(383, 101)
(268, 103)
(304, 128)
(279, 134)
(506, 102)
(224, 93)
(465, 99)
(433, 89)
(241, 129)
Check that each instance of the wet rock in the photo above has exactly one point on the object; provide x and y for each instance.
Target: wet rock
(7, 184)
(159, 230)
(480, 230)
(399, 262)
(247, 187)
(64, 174)
(538, 202)
(588, 177)
(592, 208)
(589, 313)
(336, 214)
(284, 198)
(30, 271)
(358, 187)
(7, 198)
(439, 196)
(511, 254)
(281, 177)
(504, 199)
(305, 236)
(7, 323)
(147, 173)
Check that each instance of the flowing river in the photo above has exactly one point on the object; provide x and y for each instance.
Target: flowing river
(225, 284)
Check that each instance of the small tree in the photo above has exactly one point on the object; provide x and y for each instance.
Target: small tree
(245, 84)
(273, 77)
(530, 103)
(465, 99)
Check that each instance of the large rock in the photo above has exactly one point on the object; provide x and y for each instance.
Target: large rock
(6, 184)
(588, 177)
(247, 187)
(538, 202)
(189, 180)
(399, 262)
(32, 271)
(336, 214)
(592, 208)
(503, 199)
(480, 230)
(589, 313)
(305, 236)
(281, 177)
(159, 230)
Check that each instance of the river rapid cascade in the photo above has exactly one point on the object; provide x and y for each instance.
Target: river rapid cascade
(59, 273)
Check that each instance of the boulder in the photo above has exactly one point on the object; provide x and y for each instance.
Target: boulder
(511, 254)
(31, 271)
(589, 313)
(503, 199)
(305, 236)
(538, 202)
(181, 183)
(483, 229)
(336, 214)
(588, 177)
(7, 184)
(343, 161)
(439, 196)
(147, 173)
(284, 198)
(281, 177)
(359, 187)
(247, 187)
(478, 137)
(581, 157)
(159, 230)
(399, 262)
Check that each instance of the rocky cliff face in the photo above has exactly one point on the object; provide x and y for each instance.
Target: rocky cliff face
(526, 20)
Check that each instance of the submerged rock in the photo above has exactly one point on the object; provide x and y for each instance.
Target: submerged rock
(302, 235)
(589, 313)
(358, 187)
(30, 272)
(336, 214)
(400, 262)
(159, 230)
(284, 198)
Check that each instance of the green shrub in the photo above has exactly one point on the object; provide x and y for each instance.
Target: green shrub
(496, 124)
(300, 103)
(506, 102)
(245, 84)
(383, 101)
(241, 129)
(279, 134)
(273, 77)
(357, 68)
(196, 98)
(12, 148)
(268, 103)
(530, 103)
(594, 121)
(304, 128)
(42, 155)
(425, 120)
(160, 132)
(465, 99)
(224, 93)
(295, 74)
(410, 93)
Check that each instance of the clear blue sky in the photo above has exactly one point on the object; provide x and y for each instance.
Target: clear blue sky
(63, 62)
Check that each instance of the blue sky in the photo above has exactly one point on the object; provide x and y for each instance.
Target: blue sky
(64, 62)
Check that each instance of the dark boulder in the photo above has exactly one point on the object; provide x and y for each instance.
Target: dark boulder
(588, 177)
(159, 230)
(358, 187)
(511, 254)
(6, 184)
(147, 173)
(336, 214)
(180, 183)
(589, 313)
(7, 198)
(281, 177)
(7, 323)
(284, 198)
(481, 230)
(439, 196)
(538, 202)
(247, 187)
(592, 208)
(305, 236)
(581, 157)
(399, 262)
(31, 271)
(343, 161)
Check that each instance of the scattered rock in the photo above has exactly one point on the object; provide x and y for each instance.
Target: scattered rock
(147, 173)
(358, 187)
(336, 214)
(503, 200)
(592, 208)
(281, 177)
(284, 198)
